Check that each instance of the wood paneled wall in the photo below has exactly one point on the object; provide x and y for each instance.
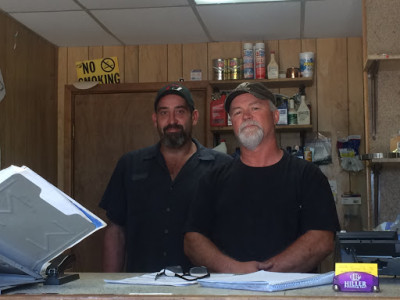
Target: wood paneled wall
(28, 113)
(336, 95)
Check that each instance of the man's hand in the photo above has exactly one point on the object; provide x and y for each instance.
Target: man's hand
(304, 254)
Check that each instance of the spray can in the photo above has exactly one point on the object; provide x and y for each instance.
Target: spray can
(259, 60)
(248, 61)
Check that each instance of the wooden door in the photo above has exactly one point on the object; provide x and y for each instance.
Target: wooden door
(106, 122)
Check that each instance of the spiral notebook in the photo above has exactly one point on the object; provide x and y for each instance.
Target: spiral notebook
(264, 281)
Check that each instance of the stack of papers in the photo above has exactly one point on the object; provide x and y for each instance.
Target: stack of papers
(149, 279)
(264, 281)
(259, 281)
(38, 222)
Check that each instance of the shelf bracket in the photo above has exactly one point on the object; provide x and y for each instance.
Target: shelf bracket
(372, 94)
(376, 169)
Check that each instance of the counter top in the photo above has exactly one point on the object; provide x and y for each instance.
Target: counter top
(92, 286)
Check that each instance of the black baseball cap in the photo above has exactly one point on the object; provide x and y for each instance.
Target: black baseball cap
(257, 89)
(177, 89)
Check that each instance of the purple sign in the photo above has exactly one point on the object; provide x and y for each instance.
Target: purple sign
(356, 282)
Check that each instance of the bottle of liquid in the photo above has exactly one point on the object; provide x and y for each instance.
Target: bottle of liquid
(248, 61)
(303, 112)
(395, 143)
(221, 147)
(259, 60)
(283, 113)
(302, 91)
(273, 68)
(292, 113)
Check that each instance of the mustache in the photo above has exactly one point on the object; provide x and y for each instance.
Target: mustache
(172, 126)
(247, 123)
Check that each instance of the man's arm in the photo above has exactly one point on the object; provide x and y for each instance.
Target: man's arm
(203, 252)
(304, 254)
(114, 248)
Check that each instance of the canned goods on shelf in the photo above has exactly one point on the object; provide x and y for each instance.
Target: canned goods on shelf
(235, 68)
(219, 68)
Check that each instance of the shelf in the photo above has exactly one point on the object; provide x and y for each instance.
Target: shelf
(376, 58)
(279, 128)
(270, 83)
(382, 157)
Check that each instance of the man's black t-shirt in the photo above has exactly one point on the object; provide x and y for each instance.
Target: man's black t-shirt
(253, 213)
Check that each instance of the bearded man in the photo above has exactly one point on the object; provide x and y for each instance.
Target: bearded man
(148, 195)
(265, 210)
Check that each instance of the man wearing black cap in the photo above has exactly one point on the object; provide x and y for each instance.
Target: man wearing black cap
(266, 210)
(148, 194)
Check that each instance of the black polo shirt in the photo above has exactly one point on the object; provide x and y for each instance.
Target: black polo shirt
(151, 207)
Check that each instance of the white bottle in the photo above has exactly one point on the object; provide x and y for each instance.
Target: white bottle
(273, 68)
(221, 147)
(248, 61)
(259, 60)
(292, 113)
(303, 112)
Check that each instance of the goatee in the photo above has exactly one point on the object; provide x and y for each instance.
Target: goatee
(251, 137)
(174, 139)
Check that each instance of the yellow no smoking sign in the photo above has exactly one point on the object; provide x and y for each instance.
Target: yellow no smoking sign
(103, 70)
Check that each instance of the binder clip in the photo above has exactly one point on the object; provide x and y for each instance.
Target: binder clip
(55, 272)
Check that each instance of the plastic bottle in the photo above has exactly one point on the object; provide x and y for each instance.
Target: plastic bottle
(248, 61)
(283, 113)
(221, 147)
(259, 61)
(273, 68)
(292, 113)
(303, 112)
(395, 143)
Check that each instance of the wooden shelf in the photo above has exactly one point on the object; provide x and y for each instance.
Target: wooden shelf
(374, 58)
(270, 83)
(279, 128)
(381, 157)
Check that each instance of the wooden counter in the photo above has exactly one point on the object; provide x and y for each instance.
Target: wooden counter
(91, 286)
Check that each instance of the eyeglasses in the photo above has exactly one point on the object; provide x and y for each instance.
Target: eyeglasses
(176, 271)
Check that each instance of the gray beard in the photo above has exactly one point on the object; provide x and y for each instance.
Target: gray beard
(250, 138)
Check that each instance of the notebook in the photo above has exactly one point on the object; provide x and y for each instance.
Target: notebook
(264, 281)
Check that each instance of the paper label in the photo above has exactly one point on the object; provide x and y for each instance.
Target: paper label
(356, 277)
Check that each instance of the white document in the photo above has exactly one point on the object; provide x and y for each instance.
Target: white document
(149, 279)
(267, 281)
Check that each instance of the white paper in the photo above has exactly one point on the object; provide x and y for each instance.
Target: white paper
(267, 281)
(149, 279)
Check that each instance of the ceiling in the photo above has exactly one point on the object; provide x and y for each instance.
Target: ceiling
(73, 23)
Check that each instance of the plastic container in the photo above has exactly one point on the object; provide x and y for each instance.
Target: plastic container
(273, 68)
(218, 115)
(292, 113)
(259, 60)
(303, 112)
(306, 64)
(221, 147)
